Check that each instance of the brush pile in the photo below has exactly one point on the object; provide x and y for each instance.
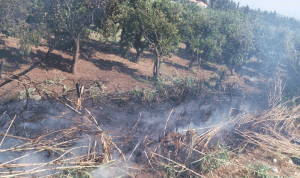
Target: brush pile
(217, 153)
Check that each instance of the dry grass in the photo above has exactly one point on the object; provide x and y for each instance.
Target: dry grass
(274, 130)
(60, 145)
(271, 131)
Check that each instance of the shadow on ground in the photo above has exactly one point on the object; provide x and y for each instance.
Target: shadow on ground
(208, 67)
(113, 48)
(57, 62)
(182, 53)
(12, 59)
(110, 65)
(170, 63)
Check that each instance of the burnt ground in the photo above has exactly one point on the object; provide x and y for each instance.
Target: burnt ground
(134, 127)
(129, 126)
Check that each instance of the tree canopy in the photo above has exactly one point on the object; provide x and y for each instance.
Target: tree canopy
(149, 24)
(224, 32)
(70, 19)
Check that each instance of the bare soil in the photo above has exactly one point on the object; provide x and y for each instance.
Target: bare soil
(101, 63)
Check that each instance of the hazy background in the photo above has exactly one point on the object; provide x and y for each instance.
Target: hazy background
(287, 8)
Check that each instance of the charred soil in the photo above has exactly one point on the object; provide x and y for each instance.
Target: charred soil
(193, 122)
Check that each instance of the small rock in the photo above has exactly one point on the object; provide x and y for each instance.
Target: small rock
(274, 160)
(274, 169)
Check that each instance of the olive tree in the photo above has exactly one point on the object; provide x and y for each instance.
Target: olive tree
(161, 34)
(70, 19)
(238, 29)
(149, 24)
(22, 19)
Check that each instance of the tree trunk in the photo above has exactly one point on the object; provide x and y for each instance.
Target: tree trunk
(138, 55)
(188, 47)
(156, 64)
(231, 69)
(121, 44)
(76, 54)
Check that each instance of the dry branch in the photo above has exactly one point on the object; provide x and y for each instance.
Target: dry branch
(8, 129)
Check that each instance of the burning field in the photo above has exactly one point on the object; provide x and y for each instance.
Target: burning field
(214, 135)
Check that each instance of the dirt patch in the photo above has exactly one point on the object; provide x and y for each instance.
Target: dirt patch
(101, 63)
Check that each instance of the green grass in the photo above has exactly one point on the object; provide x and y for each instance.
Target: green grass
(258, 171)
(209, 162)
(143, 94)
(58, 82)
(54, 82)
(75, 173)
(95, 93)
(22, 94)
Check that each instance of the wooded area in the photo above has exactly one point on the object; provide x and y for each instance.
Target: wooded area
(223, 32)
(110, 88)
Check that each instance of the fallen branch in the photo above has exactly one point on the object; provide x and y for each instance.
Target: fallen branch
(8, 130)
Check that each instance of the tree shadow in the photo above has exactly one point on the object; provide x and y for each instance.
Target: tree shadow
(208, 67)
(114, 65)
(112, 48)
(13, 59)
(105, 47)
(58, 62)
(182, 53)
(146, 54)
(175, 65)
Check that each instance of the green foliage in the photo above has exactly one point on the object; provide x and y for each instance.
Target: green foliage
(67, 19)
(171, 170)
(192, 25)
(76, 173)
(261, 171)
(239, 37)
(22, 19)
(132, 22)
(190, 82)
(199, 28)
(109, 23)
(149, 24)
(224, 4)
(225, 33)
(30, 91)
(143, 94)
(136, 92)
(95, 94)
(214, 160)
(27, 39)
(222, 35)
(150, 94)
